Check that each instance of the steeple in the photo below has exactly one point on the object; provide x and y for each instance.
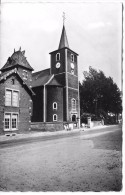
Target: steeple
(63, 40)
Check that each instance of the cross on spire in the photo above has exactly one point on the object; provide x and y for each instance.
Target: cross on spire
(63, 40)
(63, 17)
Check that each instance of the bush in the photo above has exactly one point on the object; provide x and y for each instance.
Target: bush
(110, 120)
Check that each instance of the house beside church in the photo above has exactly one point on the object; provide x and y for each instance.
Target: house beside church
(16, 94)
(47, 99)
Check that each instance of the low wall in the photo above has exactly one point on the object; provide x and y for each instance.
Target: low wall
(51, 126)
(96, 123)
(40, 126)
(93, 124)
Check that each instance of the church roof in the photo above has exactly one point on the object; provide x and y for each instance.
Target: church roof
(40, 78)
(54, 82)
(63, 40)
(44, 77)
(17, 58)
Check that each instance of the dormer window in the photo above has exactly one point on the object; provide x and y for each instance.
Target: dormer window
(72, 57)
(25, 75)
(57, 56)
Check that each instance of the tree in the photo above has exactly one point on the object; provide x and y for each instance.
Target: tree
(99, 94)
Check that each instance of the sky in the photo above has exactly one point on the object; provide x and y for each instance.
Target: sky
(94, 31)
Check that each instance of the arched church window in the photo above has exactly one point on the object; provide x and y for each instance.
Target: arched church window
(55, 117)
(72, 72)
(57, 56)
(72, 57)
(73, 104)
(55, 106)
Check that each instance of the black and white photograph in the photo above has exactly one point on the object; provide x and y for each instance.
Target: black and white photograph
(61, 96)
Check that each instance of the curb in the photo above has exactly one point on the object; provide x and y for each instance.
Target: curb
(31, 135)
(14, 136)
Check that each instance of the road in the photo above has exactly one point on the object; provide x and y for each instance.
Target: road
(83, 161)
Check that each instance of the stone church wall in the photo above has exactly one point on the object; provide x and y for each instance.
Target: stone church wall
(73, 94)
(54, 70)
(38, 105)
(54, 94)
(69, 62)
(72, 81)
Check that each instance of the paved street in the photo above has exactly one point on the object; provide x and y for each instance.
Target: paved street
(83, 161)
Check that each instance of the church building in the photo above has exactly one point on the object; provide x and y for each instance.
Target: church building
(44, 100)
(56, 102)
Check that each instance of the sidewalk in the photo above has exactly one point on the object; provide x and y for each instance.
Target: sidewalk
(34, 134)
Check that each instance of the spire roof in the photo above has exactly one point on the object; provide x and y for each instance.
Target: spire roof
(63, 40)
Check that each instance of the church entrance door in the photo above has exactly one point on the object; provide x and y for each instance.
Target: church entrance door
(73, 118)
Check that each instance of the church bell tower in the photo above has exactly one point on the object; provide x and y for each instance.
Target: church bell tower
(64, 66)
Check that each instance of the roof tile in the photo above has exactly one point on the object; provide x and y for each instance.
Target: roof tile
(17, 58)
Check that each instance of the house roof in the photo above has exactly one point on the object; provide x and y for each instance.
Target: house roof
(14, 71)
(44, 77)
(17, 58)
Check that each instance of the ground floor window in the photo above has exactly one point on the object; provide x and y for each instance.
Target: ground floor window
(55, 117)
(7, 121)
(10, 121)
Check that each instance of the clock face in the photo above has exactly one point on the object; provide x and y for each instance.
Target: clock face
(58, 65)
(72, 66)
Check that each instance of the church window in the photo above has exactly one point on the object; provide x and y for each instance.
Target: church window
(25, 75)
(55, 117)
(57, 56)
(72, 57)
(55, 106)
(73, 104)
(72, 72)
